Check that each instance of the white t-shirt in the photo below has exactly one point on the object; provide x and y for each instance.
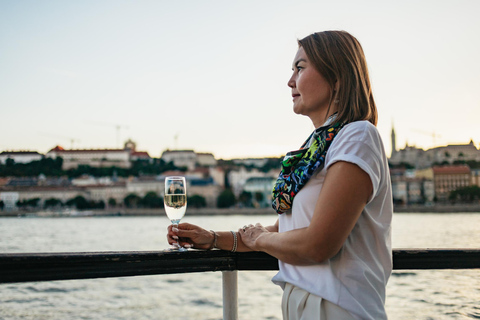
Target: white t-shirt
(356, 277)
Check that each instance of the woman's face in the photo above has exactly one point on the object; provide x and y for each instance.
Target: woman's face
(310, 91)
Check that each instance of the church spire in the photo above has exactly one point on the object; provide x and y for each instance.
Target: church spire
(394, 143)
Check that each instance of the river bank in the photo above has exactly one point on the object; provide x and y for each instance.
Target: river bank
(463, 208)
(135, 212)
(446, 208)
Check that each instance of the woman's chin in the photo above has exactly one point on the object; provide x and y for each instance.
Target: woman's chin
(298, 110)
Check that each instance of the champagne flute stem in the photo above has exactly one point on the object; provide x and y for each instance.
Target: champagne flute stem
(178, 246)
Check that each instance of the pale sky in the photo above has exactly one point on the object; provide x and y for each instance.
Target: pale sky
(214, 73)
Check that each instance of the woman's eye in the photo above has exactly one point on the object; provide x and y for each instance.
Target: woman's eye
(297, 68)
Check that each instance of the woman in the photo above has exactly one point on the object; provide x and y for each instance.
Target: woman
(332, 236)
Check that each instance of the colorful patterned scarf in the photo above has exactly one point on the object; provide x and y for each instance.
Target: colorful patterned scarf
(298, 166)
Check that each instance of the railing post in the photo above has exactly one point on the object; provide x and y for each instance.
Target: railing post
(230, 295)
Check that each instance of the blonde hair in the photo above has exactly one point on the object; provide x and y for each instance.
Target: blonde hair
(339, 57)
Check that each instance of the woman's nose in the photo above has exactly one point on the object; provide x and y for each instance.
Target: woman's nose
(291, 82)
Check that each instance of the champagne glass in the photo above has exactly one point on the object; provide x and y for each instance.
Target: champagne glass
(175, 201)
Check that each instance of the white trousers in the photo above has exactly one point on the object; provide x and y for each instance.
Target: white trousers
(298, 304)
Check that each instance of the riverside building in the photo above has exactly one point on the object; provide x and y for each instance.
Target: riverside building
(20, 156)
(99, 158)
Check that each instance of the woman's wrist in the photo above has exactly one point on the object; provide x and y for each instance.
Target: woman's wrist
(214, 240)
(235, 241)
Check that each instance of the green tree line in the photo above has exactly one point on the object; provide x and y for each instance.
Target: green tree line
(46, 166)
(468, 194)
(53, 168)
(226, 199)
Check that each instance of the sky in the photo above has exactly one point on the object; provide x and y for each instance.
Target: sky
(212, 75)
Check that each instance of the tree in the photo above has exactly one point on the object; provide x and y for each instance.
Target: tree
(53, 167)
(9, 163)
(21, 203)
(132, 200)
(52, 202)
(246, 198)
(226, 199)
(97, 205)
(259, 197)
(473, 164)
(79, 202)
(466, 194)
(112, 202)
(46, 166)
(152, 200)
(33, 202)
(197, 201)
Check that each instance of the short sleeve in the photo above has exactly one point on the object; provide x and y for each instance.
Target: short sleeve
(359, 143)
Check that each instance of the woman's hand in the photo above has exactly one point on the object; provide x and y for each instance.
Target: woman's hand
(190, 236)
(251, 234)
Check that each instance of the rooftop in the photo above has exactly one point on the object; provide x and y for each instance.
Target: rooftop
(19, 153)
(451, 169)
(61, 149)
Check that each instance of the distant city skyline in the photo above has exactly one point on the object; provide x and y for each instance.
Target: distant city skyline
(397, 148)
(211, 76)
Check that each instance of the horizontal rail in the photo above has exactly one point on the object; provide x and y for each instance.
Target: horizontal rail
(26, 267)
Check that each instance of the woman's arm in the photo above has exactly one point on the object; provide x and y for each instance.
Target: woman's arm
(192, 236)
(344, 194)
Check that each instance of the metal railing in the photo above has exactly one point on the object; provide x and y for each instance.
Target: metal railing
(27, 267)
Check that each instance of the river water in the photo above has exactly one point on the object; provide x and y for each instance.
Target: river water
(422, 294)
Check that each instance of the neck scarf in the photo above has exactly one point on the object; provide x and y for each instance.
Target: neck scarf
(298, 166)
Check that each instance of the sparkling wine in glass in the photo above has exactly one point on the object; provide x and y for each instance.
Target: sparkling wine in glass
(175, 200)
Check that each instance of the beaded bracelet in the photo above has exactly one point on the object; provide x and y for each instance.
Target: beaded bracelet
(234, 249)
(214, 243)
